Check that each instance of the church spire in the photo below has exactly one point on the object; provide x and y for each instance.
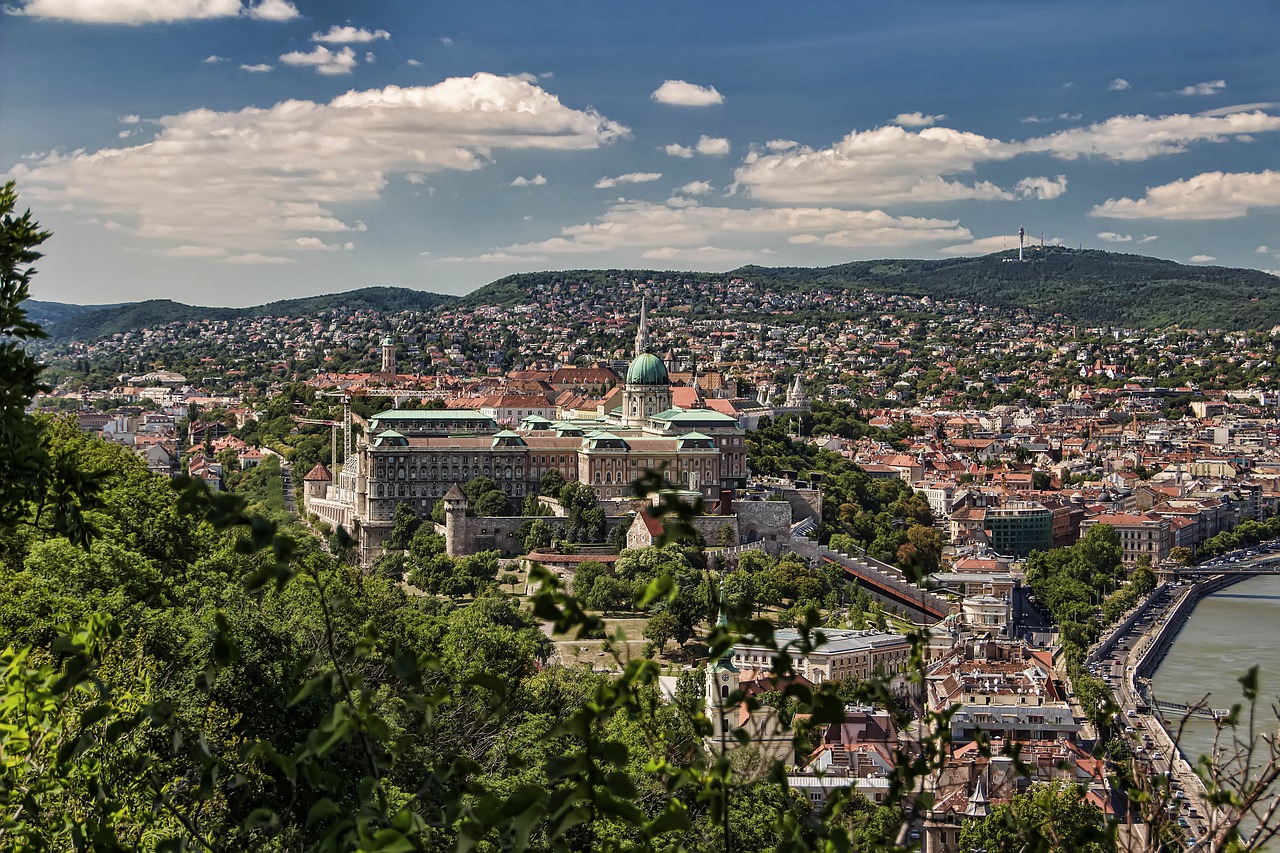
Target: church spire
(642, 333)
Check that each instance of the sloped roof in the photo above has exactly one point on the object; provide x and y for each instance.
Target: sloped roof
(318, 473)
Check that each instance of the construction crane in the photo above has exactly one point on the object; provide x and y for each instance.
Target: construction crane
(333, 440)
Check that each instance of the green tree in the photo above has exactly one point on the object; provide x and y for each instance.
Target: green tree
(1049, 817)
(405, 524)
(660, 629)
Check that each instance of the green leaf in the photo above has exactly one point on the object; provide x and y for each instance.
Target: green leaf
(323, 809)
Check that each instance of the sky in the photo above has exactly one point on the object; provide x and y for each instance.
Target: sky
(234, 152)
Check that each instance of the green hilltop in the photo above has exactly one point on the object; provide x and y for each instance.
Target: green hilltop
(1083, 286)
(90, 323)
(1086, 286)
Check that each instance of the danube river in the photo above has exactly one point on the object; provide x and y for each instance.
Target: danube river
(1226, 634)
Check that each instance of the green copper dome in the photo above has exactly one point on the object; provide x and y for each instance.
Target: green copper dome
(647, 369)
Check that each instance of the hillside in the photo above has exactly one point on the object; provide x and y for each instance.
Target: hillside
(90, 323)
(1087, 286)
(50, 313)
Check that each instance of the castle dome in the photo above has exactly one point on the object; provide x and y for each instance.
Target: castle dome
(648, 369)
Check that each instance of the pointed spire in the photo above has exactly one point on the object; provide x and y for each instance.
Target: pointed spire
(642, 333)
(979, 806)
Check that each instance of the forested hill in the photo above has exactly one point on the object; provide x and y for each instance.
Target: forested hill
(1087, 286)
(90, 324)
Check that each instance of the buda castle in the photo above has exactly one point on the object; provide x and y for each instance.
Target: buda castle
(415, 456)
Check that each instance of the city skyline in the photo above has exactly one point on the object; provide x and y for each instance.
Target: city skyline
(228, 152)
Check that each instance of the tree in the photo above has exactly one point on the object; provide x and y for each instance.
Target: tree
(609, 594)
(1049, 817)
(405, 524)
(1181, 555)
(660, 629)
(928, 546)
(725, 537)
(551, 483)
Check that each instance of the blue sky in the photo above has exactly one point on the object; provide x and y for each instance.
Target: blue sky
(232, 152)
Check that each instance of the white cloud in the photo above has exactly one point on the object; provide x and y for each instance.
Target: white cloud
(266, 195)
(987, 245)
(712, 146)
(1140, 137)
(446, 41)
(369, 57)
(1211, 87)
(1202, 259)
(629, 178)
(1240, 108)
(705, 255)
(1113, 237)
(916, 119)
(535, 181)
(1263, 250)
(1046, 119)
(1041, 188)
(194, 252)
(1209, 195)
(1150, 238)
(259, 258)
(682, 94)
(707, 145)
(324, 61)
(492, 258)
(646, 225)
(414, 62)
(350, 35)
(273, 10)
(213, 59)
(695, 188)
(129, 119)
(1275, 273)
(878, 166)
(1119, 85)
(315, 244)
(892, 164)
(260, 68)
(781, 144)
(128, 11)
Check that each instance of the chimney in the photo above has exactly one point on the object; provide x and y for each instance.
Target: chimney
(726, 501)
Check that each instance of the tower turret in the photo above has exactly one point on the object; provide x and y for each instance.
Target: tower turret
(388, 356)
(642, 332)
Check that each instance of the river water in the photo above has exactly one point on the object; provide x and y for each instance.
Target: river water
(1226, 634)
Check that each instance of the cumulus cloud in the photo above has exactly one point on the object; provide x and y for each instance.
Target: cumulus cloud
(1240, 108)
(266, 195)
(535, 181)
(260, 68)
(1263, 250)
(213, 58)
(129, 119)
(987, 245)
(712, 146)
(916, 119)
(1113, 237)
(707, 145)
(350, 35)
(1211, 87)
(681, 94)
(695, 188)
(1046, 119)
(1209, 195)
(128, 11)
(194, 252)
(1150, 238)
(702, 255)
(629, 178)
(324, 61)
(272, 10)
(1140, 137)
(893, 164)
(1202, 259)
(1041, 188)
(315, 244)
(259, 258)
(642, 226)
(1118, 85)
(414, 62)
